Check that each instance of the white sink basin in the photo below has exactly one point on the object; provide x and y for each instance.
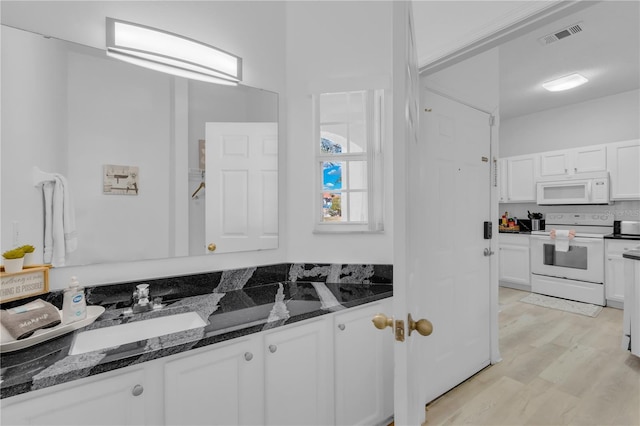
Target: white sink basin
(100, 338)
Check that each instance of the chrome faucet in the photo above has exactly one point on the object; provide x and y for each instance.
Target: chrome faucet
(141, 299)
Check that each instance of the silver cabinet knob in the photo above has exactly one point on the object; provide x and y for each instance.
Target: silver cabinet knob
(248, 356)
(273, 348)
(341, 327)
(137, 390)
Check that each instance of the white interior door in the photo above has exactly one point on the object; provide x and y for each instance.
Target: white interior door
(452, 182)
(242, 186)
(441, 198)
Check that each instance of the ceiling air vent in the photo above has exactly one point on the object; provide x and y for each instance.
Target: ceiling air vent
(559, 35)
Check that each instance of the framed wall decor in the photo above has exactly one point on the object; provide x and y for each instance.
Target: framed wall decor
(120, 180)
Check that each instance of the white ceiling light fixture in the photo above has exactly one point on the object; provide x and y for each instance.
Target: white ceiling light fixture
(565, 83)
(171, 53)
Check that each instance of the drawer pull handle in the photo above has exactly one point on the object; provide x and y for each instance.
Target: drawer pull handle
(248, 356)
(137, 390)
(273, 348)
(341, 327)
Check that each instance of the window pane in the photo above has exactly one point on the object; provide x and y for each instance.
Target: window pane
(334, 107)
(357, 120)
(356, 175)
(331, 175)
(357, 105)
(331, 207)
(358, 207)
(332, 138)
(357, 137)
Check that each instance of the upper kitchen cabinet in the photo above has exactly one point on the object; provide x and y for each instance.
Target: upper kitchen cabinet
(520, 182)
(623, 162)
(574, 161)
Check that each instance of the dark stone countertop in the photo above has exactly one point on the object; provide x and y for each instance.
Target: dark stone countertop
(632, 254)
(622, 237)
(515, 232)
(229, 315)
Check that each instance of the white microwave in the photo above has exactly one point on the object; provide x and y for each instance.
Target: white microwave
(588, 188)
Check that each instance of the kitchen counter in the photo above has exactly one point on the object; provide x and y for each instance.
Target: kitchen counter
(515, 232)
(229, 315)
(622, 237)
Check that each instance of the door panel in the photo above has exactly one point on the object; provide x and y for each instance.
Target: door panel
(448, 242)
(242, 186)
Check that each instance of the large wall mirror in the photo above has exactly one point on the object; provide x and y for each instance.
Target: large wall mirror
(71, 110)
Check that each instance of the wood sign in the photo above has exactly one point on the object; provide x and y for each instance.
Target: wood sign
(31, 281)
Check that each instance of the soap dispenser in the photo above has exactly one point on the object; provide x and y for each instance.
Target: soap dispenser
(74, 305)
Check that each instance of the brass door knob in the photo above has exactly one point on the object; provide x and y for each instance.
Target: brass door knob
(422, 326)
(380, 321)
(211, 247)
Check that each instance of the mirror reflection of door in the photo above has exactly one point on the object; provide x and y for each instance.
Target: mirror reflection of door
(242, 187)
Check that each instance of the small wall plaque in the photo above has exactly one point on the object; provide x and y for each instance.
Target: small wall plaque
(31, 281)
(121, 180)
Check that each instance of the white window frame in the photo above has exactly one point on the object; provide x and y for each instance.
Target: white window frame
(373, 157)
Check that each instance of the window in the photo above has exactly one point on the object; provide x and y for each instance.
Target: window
(348, 139)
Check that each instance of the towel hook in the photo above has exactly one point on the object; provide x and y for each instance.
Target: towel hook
(39, 176)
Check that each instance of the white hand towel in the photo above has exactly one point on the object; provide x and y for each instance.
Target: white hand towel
(68, 217)
(562, 240)
(57, 224)
(60, 236)
(47, 196)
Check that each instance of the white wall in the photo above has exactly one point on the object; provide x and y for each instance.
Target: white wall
(609, 119)
(330, 43)
(130, 128)
(25, 126)
(254, 31)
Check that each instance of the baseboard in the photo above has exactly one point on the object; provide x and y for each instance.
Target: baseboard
(523, 287)
(615, 304)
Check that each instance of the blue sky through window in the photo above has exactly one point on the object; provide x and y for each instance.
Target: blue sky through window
(331, 171)
(332, 176)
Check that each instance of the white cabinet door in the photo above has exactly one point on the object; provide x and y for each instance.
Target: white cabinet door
(586, 159)
(118, 399)
(521, 185)
(614, 279)
(216, 386)
(614, 273)
(298, 375)
(363, 367)
(554, 163)
(589, 159)
(513, 261)
(623, 162)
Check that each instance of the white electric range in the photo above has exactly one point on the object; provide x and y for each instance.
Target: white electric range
(576, 274)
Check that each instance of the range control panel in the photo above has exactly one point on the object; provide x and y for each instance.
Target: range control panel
(585, 219)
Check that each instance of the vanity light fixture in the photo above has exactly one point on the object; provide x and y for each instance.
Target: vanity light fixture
(565, 83)
(171, 53)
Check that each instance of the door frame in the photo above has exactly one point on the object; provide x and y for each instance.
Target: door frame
(402, 15)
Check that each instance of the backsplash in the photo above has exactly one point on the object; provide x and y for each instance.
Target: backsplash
(172, 288)
(621, 210)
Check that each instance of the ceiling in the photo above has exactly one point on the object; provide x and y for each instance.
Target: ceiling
(606, 51)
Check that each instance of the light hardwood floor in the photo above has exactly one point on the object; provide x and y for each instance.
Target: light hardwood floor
(557, 368)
